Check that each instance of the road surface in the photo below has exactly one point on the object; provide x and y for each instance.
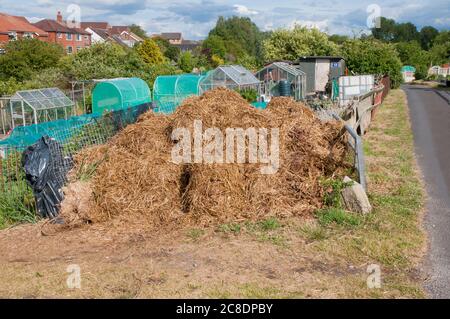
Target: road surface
(430, 117)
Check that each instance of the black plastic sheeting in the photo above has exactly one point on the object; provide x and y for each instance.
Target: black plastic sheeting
(45, 170)
(46, 166)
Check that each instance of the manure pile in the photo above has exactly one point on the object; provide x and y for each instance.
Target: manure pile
(136, 182)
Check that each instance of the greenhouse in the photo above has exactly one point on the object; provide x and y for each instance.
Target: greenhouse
(119, 94)
(282, 79)
(38, 106)
(169, 91)
(233, 77)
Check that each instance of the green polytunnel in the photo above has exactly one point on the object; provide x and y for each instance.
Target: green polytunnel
(119, 94)
(169, 91)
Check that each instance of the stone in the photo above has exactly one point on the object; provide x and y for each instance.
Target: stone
(355, 197)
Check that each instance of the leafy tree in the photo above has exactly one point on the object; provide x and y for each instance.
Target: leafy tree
(391, 31)
(102, 60)
(406, 32)
(411, 53)
(240, 36)
(170, 51)
(186, 62)
(150, 52)
(373, 57)
(285, 44)
(440, 52)
(216, 61)
(427, 36)
(387, 31)
(338, 39)
(137, 29)
(26, 56)
(214, 45)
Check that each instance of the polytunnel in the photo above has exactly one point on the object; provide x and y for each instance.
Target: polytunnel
(119, 94)
(169, 91)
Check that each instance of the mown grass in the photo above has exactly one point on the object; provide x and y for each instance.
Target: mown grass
(391, 236)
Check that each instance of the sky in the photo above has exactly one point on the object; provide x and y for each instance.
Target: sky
(194, 18)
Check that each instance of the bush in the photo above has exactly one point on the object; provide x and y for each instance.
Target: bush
(249, 94)
(373, 57)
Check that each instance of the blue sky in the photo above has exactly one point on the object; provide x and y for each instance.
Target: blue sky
(196, 17)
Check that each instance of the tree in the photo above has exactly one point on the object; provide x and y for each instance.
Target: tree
(214, 45)
(391, 31)
(170, 51)
(186, 62)
(440, 52)
(101, 60)
(240, 36)
(284, 44)
(27, 56)
(150, 52)
(427, 36)
(137, 29)
(338, 39)
(387, 30)
(373, 57)
(411, 53)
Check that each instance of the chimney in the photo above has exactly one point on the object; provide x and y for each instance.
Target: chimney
(59, 17)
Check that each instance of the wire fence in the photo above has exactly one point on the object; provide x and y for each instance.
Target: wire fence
(17, 200)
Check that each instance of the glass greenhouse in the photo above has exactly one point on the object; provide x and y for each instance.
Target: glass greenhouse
(119, 94)
(233, 77)
(38, 106)
(277, 74)
(169, 91)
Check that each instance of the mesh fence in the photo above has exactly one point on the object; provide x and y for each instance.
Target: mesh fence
(17, 201)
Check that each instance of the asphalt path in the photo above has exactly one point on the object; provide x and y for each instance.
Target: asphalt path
(430, 119)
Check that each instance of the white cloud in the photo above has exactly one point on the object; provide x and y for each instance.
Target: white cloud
(243, 10)
(321, 25)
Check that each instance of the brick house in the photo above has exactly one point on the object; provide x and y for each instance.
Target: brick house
(16, 27)
(72, 39)
(103, 32)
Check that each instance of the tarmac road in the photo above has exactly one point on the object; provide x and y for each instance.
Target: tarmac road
(430, 117)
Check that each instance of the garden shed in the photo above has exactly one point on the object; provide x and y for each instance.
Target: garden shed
(38, 106)
(169, 91)
(276, 76)
(321, 70)
(119, 94)
(233, 77)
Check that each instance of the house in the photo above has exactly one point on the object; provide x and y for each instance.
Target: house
(174, 38)
(72, 39)
(17, 27)
(321, 70)
(443, 70)
(188, 45)
(103, 32)
(408, 73)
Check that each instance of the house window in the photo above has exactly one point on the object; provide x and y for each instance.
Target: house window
(28, 35)
(59, 35)
(12, 36)
(69, 36)
(79, 37)
(78, 49)
(69, 50)
(86, 37)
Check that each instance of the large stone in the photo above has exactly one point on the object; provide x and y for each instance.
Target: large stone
(355, 197)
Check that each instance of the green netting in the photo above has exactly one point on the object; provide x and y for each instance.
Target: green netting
(169, 91)
(119, 94)
(60, 130)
